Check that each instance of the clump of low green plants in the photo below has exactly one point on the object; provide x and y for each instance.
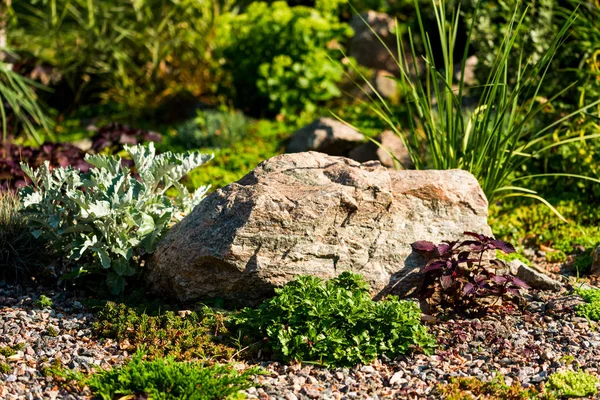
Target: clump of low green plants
(44, 302)
(214, 129)
(469, 388)
(107, 221)
(167, 379)
(4, 368)
(334, 323)
(198, 335)
(591, 308)
(20, 253)
(572, 384)
(8, 351)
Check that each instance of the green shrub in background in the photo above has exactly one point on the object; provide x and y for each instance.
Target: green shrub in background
(214, 129)
(20, 253)
(166, 379)
(279, 57)
(107, 220)
(138, 53)
(335, 322)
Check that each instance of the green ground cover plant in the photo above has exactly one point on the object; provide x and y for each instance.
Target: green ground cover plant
(107, 221)
(472, 388)
(161, 378)
(572, 384)
(200, 335)
(591, 308)
(334, 323)
(532, 225)
(297, 70)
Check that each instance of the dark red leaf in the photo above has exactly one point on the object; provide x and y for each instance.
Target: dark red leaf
(423, 246)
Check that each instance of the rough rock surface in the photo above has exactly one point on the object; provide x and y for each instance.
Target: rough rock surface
(390, 144)
(325, 135)
(313, 214)
(534, 277)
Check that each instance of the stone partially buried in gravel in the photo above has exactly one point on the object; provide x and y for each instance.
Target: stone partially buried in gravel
(313, 214)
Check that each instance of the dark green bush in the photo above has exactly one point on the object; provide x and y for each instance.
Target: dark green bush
(166, 379)
(213, 129)
(335, 323)
(280, 57)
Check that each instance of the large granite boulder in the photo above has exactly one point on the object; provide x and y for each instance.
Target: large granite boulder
(325, 135)
(314, 214)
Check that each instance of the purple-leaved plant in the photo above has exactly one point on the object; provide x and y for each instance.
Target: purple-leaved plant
(458, 276)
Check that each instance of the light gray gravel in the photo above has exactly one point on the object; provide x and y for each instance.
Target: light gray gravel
(523, 346)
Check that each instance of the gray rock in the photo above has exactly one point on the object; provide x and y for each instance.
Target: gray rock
(389, 144)
(534, 277)
(325, 135)
(313, 214)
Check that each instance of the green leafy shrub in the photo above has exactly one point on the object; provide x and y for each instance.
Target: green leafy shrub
(213, 129)
(279, 58)
(591, 308)
(335, 322)
(572, 384)
(21, 255)
(199, 335)
(4, 368)
(107, 220)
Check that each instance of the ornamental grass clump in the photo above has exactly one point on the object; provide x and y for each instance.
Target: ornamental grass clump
(334, 323)
(107, 221)
(496, 138)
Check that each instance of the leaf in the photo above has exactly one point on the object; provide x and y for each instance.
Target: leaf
(104, 257)
(520, 283)
(503, 246)
(423, 246)
(146, 224)
(469, 289)
(447, 281)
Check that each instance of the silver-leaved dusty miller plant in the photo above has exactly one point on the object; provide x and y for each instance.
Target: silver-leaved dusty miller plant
(106, 219)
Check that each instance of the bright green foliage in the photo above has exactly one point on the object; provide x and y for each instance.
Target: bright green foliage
(335, 322)
(198, 335)
(591, 308)
(44, 302)
(20, 253)
(137, 53)
(512, 256)
(107, 220)
(279, 58)
(166, 379)
(572, 384)
(213, 129)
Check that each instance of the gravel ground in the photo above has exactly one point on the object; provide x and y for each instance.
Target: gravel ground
(523, 346)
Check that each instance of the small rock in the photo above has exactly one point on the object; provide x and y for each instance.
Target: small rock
(534, 277)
